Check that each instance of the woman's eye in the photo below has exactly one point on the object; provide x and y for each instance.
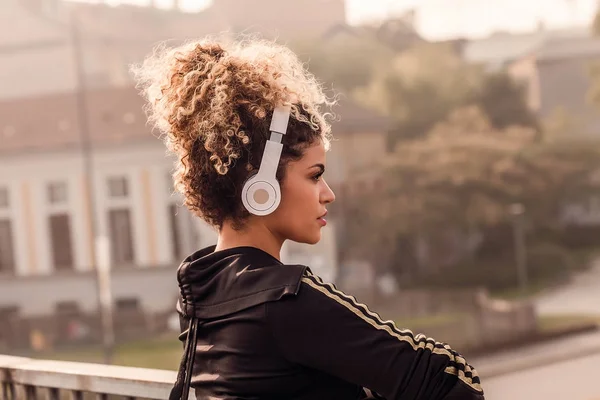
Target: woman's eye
(318, 176)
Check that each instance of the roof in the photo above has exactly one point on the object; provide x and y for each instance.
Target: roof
(503, 47)
(561, 48)
(115, 117)
(51, 122)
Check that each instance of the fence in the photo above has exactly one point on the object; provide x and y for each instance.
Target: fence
(31, 379)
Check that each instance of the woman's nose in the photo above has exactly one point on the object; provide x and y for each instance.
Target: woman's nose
(327, 196)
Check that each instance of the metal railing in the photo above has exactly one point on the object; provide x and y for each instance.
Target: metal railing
(32, 379)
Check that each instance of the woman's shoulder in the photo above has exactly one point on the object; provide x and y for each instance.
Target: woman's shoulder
(327, 328)
(316, 298)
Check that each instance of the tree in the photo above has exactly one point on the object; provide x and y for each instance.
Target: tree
(420, 87)
(345, 63)
(593, 94)
(426, 83)
(503, 101)
(562, 124)
(596, 24)
(594, 67)
(417, 88)
(460, 179)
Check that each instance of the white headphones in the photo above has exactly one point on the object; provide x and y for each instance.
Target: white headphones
(261, 194)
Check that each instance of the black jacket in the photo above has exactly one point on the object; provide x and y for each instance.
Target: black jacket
(255, 329)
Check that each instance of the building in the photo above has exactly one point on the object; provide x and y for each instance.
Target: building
(52, 213)
(500, 49)
(552, 65)
(556, 76)
(44, 186)
(48, 214)
(38, 37)
(554, 69)
(43, 183)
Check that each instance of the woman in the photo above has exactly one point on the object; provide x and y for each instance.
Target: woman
(253, 327)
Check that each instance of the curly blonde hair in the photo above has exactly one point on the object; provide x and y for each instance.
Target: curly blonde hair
(213, 101)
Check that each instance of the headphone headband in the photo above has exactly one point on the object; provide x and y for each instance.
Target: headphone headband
(281, 117)
(261, 193)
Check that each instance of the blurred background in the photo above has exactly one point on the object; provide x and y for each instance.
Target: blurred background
(466, 166)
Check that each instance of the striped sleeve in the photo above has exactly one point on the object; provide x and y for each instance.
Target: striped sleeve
(326, 329)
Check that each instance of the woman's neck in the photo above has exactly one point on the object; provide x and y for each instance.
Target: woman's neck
(253, 235)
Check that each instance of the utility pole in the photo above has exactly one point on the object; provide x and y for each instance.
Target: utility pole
(100, 253)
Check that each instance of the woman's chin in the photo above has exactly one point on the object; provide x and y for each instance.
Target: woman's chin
(316, 238)
(312, 238)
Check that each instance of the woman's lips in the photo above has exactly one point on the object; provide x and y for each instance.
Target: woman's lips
(322, 219)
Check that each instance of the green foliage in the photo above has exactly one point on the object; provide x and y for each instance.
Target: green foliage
(593, 94)
(464, 147)
(596, 24)
(574, 237)
(503, 101)
(429, 81)
(344, 64)
(421, 87)
(561, 124)
(162, 352)
(456, 184)
(416, 88)
(546, 265)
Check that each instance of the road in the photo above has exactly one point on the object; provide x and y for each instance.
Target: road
(581, 296)
(576, 379)
(568, 368)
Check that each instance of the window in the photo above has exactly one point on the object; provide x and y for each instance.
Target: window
(121, 236)
(57, 193)
(60, 240)
(7, 255)
(4, 202)
(118, 187)
(120, 224)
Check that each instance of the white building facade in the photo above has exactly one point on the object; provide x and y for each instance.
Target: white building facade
(46, 227)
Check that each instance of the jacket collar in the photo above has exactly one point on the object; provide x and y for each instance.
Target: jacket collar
(216, 283)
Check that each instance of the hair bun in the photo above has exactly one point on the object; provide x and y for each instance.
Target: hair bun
(210, 50)
(212, 100)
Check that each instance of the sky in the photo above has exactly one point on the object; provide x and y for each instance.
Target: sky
(442, 19)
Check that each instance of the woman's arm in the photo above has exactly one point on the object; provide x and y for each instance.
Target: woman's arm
(324, 329)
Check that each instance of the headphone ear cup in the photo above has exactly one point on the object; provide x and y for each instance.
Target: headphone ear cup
(245, 187)
(260, 196)
(251, 175)
(261, 193)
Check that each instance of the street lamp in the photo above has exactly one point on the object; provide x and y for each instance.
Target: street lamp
(517, 210)
(100, 251)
